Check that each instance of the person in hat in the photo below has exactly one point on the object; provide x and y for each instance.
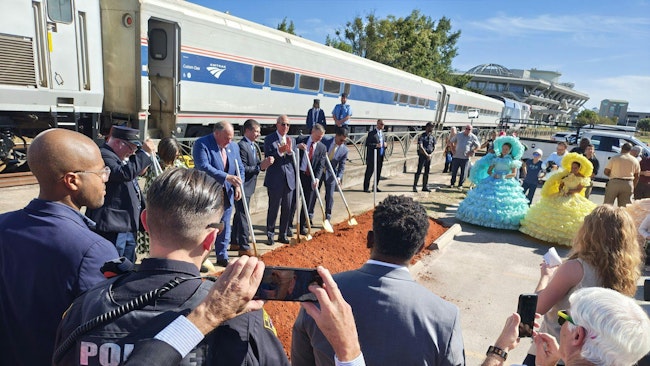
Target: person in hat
(118, 219)
(315, 115)
(558, 215)
(342, 112)
(533, 172)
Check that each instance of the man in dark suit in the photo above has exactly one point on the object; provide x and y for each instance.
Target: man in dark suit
(250, 158)
(315, 115)
(118, 219)
(374, 142)
(217, 155)
(420, 329)
(184, 207)
(280, 180)
(338, 155)
(313, 153)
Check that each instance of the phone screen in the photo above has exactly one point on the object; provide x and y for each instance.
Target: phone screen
(526, 310)
(287, 284)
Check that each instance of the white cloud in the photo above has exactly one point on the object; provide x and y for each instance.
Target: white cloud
(513, 26)
(632, 88)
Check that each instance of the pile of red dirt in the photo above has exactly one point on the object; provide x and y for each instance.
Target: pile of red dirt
(343, 250)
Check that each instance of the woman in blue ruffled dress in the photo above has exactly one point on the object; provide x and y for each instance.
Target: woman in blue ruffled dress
(498, 201)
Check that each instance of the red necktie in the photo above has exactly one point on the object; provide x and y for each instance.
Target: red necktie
(311, 151)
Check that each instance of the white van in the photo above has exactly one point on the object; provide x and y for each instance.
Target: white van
(608, 144)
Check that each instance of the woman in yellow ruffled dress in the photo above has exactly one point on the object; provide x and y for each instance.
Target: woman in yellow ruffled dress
(557, 217)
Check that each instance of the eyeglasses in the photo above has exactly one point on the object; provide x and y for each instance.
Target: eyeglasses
(468, 129)
(563, 316)
(216, 225)
(103, 174)
(283, 124)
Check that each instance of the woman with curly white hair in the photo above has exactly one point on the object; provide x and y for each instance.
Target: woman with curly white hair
(601, 327)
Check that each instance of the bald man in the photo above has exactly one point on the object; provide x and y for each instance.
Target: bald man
(48, 254)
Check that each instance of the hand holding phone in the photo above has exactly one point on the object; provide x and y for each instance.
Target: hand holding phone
(526, 309)
(287, 284)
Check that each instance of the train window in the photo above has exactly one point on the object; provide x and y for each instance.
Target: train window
(60, 10)
(403, 98)
(309, 83)
(258, 74)
(283, 78)
(395, 97)
(422, 102)
(158, 44)
(331, 86)
(346, 88)
(413, 100)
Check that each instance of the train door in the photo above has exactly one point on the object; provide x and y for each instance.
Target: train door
(163, 56)
(62, 45)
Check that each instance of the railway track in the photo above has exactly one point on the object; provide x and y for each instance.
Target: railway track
(16, 179)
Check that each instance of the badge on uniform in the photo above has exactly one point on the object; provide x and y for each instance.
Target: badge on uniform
(268, 323)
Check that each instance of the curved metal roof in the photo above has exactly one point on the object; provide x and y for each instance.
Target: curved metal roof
(491, 69)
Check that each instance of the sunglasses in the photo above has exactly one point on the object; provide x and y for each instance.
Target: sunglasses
(563, 316)
(283, 124)
(216, 225)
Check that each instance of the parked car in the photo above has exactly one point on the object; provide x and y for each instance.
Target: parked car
(569, 137)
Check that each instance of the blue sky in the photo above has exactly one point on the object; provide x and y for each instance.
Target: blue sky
(603, 47)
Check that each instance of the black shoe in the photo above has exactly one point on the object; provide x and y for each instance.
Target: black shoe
(366, 190)
(378, 190)
(270, 240)
(222, 262)
(303, 231)
(426, 189)
(283, 240)
(415, 189)
(289, 233)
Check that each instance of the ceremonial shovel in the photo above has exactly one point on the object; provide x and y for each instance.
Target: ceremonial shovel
(351, 220)
(327, 226)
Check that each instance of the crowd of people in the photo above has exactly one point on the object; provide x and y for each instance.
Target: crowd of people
(102, 311)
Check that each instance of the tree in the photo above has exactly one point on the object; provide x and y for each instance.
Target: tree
(289, 28)
(643, 124)
(415, 44)
(587, 117)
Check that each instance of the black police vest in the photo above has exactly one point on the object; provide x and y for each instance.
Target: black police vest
(112, 343)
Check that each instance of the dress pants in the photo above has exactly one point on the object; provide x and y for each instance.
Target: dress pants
(282, 200)
(240, 232)
(619, 190)
(223, 239)
(370, 166)
(425, 163)
(310, 197)
(455, 164)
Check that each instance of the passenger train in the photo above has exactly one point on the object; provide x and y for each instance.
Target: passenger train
(169, 67)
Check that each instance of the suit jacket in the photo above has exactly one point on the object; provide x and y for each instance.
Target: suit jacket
(123, 201)
(318, 159)
(338, 161)
(251, 161)
(320, 118)
(399, 322)
(281, 173)
(207, 157)
(371, 144)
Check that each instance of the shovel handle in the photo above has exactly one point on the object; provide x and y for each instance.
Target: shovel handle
(246, 210)
(338, 186)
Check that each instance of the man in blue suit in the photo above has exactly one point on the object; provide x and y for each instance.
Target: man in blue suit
(250, 158)
(217, 155)
(315, 115)
(337, 152)
(280, 180)
(399, 321)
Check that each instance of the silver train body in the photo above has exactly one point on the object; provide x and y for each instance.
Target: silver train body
(169, 67)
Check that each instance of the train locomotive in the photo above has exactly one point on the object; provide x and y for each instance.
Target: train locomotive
(169, 67)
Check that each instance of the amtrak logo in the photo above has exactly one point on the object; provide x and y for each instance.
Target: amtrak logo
(216, 70)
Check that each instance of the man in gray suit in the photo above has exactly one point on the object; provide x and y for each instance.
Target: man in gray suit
(250, 158)
(398, 320)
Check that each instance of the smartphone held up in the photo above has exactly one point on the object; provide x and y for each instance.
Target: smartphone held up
(288, 284)
(526, 309)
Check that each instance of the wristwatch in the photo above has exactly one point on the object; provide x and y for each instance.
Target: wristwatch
(494, 350)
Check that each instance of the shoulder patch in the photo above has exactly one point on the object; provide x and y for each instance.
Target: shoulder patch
(268, 323)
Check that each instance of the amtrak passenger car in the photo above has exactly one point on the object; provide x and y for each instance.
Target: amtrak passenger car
(169, 67)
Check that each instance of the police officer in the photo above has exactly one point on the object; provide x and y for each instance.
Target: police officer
(183, 219)
(426, 145)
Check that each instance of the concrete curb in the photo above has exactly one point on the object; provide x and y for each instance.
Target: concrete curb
(446, 237)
